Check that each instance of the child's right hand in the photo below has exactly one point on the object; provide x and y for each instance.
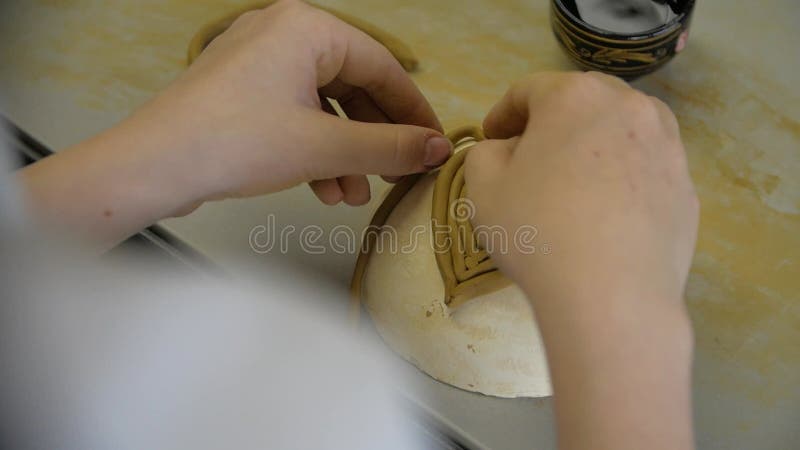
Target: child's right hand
(599, 170)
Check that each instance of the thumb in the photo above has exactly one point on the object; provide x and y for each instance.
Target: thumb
(349, 147)
(486, 163)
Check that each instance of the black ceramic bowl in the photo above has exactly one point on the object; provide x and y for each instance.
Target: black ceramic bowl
(626, 54)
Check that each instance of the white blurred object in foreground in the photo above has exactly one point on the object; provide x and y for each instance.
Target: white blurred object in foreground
(130, 356)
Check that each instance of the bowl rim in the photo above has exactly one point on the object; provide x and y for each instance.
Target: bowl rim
(665, 28)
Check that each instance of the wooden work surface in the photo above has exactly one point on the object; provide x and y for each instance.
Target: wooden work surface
(73, 67)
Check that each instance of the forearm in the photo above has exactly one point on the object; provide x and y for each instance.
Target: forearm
(111, 186)
(621, 370)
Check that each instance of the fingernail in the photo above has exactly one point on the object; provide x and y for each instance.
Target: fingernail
(437, 150)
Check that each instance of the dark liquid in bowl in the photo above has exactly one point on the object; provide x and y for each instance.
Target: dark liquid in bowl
(625, 16)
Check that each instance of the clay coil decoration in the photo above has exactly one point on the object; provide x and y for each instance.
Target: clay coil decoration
(466, 269)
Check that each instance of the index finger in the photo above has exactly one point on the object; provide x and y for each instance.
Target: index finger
(358, 60)
(509, 117)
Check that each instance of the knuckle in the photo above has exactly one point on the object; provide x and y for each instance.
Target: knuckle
(296, 12)
(246, 18)
(594, 78)
(589, 81)
(580, 86)
(641, 107)
(610, 81)
(249, 15)
(668, 119)
(595, 75)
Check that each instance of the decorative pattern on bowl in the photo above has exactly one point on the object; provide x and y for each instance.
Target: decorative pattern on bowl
(627, 56)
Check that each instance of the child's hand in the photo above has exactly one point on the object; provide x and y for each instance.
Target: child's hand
(246, 119)
(600, 171)
(251, 110)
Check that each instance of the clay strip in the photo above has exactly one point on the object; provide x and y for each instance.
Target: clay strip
(480, 276)
(466, 273)
(396, 47)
